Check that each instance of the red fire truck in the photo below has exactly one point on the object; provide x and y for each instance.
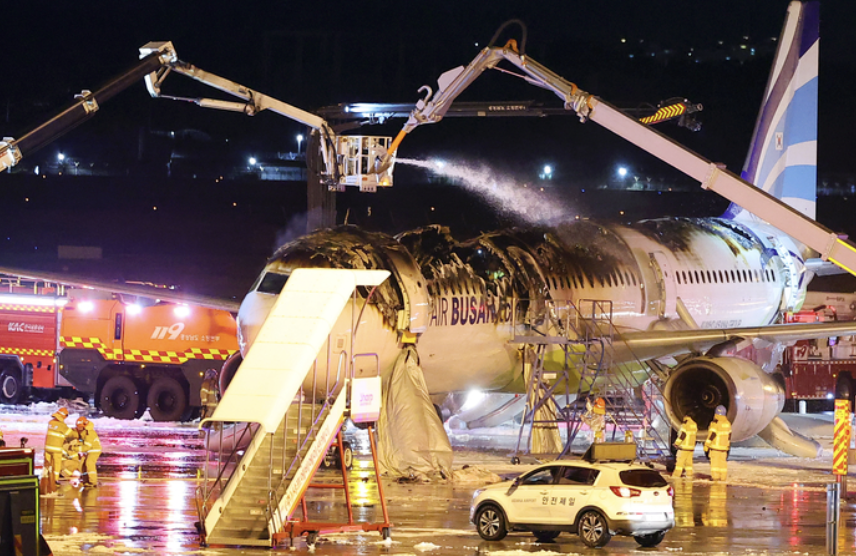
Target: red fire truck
(125, 353)
(813, 368)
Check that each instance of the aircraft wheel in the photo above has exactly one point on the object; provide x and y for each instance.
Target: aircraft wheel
(167, 400)
(120, 398)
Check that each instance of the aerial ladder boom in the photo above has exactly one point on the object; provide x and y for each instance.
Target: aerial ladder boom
(85, 105)
(713, 176)
(345, 160)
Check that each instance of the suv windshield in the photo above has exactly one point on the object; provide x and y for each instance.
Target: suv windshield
(644, 478)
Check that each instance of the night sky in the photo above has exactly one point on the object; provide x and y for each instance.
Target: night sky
(314, 54)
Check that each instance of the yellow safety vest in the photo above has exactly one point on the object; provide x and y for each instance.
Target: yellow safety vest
(719, 433)
(58, 432)
(687, 436)
(91, 442)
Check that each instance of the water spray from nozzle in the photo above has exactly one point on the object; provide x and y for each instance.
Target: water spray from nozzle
(502, 191)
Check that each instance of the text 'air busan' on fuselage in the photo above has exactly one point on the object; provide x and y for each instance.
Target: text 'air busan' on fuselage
(457, 301)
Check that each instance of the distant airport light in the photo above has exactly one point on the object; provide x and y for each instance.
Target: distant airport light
(622, 171)
(440, 164)
(181, 311)
(133, 309)
(85, 307)
(299, 141)
(60, 157)
(252, 161)
(546, 173)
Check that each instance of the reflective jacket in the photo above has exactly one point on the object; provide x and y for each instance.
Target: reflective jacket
(687, 435)
(91, 442)
(719, 434)
(208, 392)
(58, 433)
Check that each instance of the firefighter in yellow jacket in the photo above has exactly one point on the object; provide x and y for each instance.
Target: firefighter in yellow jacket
(718, 443)
(209, 393)
(686, 446)
(58, 433)
(90, 449)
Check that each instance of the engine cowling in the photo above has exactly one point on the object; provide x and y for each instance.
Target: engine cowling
(751, 397)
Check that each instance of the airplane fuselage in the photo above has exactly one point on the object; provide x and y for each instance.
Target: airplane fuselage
(463, 301)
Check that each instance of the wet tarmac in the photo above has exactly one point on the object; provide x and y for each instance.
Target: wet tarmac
(148, 477)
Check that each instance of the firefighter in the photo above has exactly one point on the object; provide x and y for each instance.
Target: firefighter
(595, 418)
(58, 434)
(70, 458)
(718, 443)
(209, 393)
(90, 449)
(686, 445)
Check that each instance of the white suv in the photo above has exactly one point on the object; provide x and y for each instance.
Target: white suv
(595, 500)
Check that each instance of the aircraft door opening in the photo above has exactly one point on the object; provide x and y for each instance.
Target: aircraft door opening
(666, 283)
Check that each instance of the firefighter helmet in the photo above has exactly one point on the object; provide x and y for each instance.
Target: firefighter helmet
(60, 414)
(600, 406)
(720, 410)
(82, 422)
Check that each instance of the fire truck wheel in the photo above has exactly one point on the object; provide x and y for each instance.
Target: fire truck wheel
(167, 400)
(10, 387)
(120, 398)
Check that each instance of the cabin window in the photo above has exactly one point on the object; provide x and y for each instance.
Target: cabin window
(697, 278)
(272, 283)
(685, 276)
(721, 279)
(621, 277)
(709, 279)
(678, 276)
(634, 279)
(757, 275)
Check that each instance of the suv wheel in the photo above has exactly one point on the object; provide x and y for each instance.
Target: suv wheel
(546, 536)
(593, 529)
(650, 540)
(490, 523)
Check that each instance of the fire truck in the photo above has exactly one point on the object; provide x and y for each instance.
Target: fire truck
(815, 369)
(125, 353)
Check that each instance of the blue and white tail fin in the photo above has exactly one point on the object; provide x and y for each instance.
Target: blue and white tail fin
(782, 157)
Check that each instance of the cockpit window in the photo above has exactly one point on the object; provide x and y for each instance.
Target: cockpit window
(272, 283)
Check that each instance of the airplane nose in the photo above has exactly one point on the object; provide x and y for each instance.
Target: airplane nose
(251, 315)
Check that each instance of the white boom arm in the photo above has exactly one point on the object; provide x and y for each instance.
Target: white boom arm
(346, 160)
(712, 176)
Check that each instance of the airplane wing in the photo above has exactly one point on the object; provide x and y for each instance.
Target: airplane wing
(153, 292)
(660, 343)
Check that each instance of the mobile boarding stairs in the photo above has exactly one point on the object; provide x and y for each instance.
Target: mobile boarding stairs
(284, 434)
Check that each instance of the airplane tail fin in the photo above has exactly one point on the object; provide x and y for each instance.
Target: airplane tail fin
(782, 158)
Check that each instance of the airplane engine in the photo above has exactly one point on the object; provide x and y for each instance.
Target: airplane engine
(751, 397)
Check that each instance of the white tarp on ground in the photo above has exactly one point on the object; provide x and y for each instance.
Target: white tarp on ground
(411, 438)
